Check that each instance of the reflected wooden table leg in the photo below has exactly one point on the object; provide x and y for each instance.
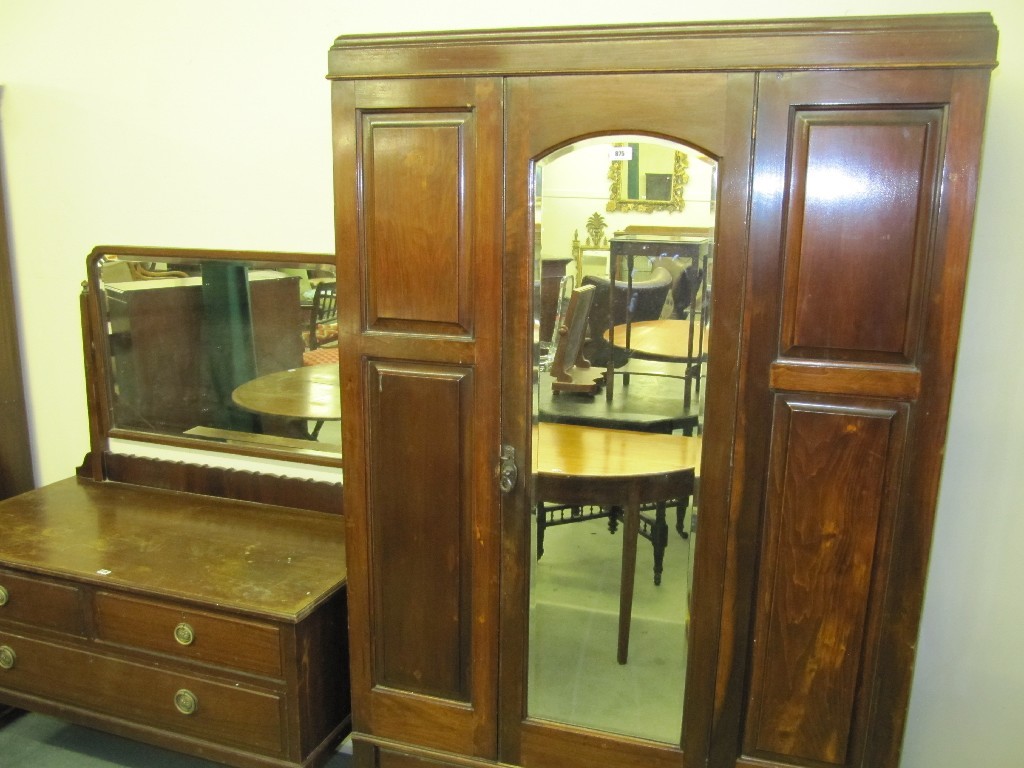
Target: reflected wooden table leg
(630, 534)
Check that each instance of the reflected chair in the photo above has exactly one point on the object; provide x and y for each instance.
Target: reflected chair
(685, 320)
(646, 302)
(321, 333)
(323, 314)
(570, 370)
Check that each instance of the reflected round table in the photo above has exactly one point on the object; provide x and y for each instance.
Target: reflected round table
(667, 340)
(309, 393)
(604, 467)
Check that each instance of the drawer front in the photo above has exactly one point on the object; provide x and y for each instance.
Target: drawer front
(40, 603)
(248, 646)
(224, 713)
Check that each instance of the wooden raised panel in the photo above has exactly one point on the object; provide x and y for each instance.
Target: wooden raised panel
(417, 260)
(417, 168)
(861, 207)
(419, 528)
(829, 508)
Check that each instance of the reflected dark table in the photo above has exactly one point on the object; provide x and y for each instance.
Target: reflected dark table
(648, 404)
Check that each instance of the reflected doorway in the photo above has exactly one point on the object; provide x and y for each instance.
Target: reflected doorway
(623, 255)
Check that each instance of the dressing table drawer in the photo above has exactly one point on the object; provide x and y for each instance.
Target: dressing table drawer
(40, 603)
(240, 644)
(165, 698)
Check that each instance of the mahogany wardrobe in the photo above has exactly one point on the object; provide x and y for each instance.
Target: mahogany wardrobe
(845, 155)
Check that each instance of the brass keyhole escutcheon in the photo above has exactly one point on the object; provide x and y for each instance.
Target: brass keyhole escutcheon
(184, 634)
(7, 657)
(3, 596)
(186, 702)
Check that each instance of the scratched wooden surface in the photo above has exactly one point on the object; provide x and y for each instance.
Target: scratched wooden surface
(268, 561)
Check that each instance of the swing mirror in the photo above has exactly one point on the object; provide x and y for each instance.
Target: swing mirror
(218, 350)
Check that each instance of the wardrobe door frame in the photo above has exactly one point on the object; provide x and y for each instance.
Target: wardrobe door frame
(420, 362)
(605, 105)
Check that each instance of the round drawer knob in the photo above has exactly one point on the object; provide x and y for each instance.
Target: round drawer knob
(186, 702)
(3, 595)
(184, 634)
(7, 657)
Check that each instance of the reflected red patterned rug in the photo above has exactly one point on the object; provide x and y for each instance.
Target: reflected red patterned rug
(320, 355)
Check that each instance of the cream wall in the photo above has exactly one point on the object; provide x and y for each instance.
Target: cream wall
(206, 123)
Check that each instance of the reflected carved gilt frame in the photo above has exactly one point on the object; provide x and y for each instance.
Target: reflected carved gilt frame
(616, 203)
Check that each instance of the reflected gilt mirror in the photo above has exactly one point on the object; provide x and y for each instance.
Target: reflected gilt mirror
(647, 176)
(610, 578)
(223, 351)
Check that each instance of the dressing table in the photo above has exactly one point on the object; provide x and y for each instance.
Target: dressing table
(190, 602)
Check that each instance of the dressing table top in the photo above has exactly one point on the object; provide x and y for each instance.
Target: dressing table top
(262, 560)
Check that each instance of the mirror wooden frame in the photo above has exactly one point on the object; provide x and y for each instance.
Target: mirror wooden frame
(103, 428)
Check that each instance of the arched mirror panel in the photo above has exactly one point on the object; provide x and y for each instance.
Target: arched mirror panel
(618, 427)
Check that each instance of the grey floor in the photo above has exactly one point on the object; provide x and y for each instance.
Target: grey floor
(573, 674)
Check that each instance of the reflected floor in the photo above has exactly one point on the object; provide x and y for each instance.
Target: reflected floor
(574, 675)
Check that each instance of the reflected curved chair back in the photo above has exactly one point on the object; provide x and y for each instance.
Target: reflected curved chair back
(687, 277)
(684, 292)
(647, 300)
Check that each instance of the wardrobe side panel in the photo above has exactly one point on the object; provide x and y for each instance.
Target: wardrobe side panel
(419, 319)
(416, 256)
(863, 244)
(419, 527)
(861, 205)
